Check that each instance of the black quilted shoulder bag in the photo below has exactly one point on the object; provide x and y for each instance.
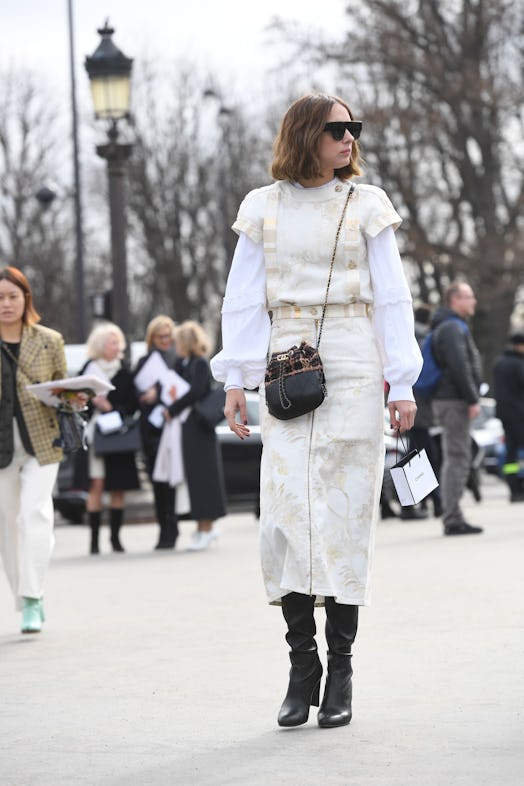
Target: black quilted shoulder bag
(295, 382)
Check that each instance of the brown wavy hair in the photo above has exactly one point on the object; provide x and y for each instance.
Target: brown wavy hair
(295, 148)
(16, 277)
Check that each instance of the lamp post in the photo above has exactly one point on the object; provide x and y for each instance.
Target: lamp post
(80, 305)
(109, 72)
(225, 116)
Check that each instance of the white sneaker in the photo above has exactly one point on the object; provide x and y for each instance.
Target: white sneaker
(200, 540)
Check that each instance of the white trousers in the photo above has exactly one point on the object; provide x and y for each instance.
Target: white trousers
(26, 521)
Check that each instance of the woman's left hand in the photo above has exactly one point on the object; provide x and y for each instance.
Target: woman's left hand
(402, 415)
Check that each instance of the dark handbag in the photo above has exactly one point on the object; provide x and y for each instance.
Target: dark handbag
(72, 431)
(209, 411)
(295, 383)
(126, 440)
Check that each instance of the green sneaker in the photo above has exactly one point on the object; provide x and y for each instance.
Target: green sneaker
(32, 615)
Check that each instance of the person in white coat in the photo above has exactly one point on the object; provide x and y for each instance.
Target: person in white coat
(321, 473)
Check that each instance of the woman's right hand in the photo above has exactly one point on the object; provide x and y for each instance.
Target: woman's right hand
(236, 402)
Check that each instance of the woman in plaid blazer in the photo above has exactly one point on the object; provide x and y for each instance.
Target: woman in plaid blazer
(29, 457)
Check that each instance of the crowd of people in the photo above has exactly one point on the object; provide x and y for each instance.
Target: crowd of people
(321, 472)
(152, 393)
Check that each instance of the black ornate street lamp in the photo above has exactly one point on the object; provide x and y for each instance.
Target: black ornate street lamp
(109, 72)
(45, 196)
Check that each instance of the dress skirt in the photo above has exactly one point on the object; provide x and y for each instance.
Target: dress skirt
(321, 474)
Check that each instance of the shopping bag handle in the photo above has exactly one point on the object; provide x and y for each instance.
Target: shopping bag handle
(411, 439)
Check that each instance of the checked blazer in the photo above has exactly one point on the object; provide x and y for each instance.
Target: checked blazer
(41, 358)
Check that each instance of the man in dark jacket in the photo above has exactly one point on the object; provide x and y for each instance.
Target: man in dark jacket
(456, 399)
(508, 374)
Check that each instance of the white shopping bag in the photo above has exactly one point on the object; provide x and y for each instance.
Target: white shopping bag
(413, 477)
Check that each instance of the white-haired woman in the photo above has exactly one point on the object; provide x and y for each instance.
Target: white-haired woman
(113, 473)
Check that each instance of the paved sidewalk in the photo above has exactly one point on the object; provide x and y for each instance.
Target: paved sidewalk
(169, 668)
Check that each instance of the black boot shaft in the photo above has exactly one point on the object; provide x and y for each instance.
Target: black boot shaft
(298, 611)
(94, 525)
(341, 626)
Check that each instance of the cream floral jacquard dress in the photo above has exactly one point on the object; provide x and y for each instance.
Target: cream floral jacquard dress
(321, 474)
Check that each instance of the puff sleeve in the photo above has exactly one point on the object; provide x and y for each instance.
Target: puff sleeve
(245, 322)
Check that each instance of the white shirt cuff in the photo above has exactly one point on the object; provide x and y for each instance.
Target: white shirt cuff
(234, 379)
(400, 393)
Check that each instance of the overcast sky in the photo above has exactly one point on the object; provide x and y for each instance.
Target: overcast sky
(227, 35)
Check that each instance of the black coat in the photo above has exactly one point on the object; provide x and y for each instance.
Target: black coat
(508, 375)
(202, 458)
(120, 468)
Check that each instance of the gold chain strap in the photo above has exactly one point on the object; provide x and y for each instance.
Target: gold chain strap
(350, 192)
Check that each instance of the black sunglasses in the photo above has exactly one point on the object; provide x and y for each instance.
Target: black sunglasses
(338, 129)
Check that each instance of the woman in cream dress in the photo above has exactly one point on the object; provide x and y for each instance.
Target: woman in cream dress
(321, 473)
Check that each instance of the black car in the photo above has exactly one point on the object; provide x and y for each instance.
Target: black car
(240, 459)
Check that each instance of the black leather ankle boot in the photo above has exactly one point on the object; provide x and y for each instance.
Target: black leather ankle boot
(116, 516)
(306, 669)
(168, 532)
(341, 629)
(336, 703)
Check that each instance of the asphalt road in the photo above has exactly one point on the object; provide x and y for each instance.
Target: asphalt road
(169, 668)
